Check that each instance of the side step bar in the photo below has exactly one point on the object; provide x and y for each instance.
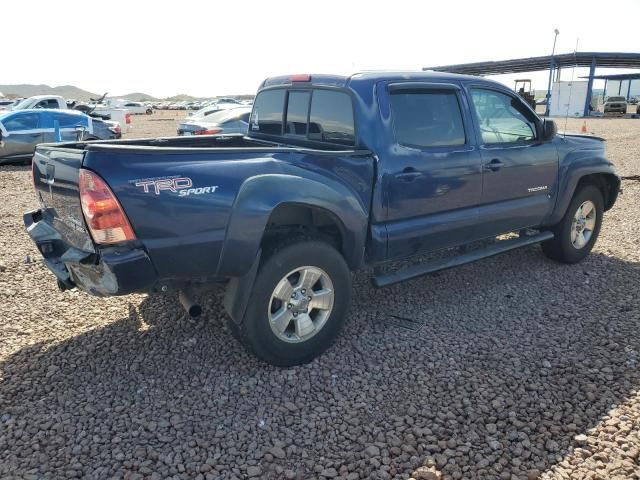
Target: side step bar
(419, 270)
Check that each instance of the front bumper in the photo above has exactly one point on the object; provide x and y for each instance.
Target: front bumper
(102, 272)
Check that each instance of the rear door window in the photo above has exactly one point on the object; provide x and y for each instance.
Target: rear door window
(68, 121)
(268, 112)
(331, 117)
(427, 118)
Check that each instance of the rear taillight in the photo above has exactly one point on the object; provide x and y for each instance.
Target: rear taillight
(127, 118)
(115, 129)
(102, 211)
(212, 131)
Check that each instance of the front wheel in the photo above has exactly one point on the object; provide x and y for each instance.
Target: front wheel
(578, 230)
(299, 302)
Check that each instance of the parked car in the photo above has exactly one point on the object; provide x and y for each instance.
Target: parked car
(105, 112)
(633, 101)
(209, 110)
(138, 108)
(22, 130)
(227, 100)
(104, 130)
(335, 173)
(6, 103)
(227, 121)
(615, 105)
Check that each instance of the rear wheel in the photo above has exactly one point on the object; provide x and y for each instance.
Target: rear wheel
(578, 230)
(298, 305)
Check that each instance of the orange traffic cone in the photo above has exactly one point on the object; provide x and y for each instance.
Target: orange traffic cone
(584, 127)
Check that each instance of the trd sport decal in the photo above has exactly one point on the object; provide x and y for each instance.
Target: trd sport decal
(183, 186)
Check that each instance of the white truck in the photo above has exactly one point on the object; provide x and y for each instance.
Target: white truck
(120, 115)
(42, 101)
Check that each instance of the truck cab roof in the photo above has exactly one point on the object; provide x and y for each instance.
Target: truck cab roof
(369, 77)
(40, 97)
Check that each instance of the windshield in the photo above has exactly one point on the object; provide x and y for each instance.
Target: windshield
(617, 99)
(22, 104)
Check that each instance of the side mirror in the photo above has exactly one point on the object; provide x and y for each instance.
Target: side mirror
(549, 130)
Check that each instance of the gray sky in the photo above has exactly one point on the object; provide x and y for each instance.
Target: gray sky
(208, 48)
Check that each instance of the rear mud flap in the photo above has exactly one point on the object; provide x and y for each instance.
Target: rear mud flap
(238, 292)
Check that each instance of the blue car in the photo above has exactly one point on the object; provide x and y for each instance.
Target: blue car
(22, 130)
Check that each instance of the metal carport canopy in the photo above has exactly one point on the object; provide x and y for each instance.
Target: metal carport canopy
(532, 64)
(617, 76)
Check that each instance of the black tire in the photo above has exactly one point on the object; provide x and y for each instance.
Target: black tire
(561, 248)
(149, 111)
(255, 331)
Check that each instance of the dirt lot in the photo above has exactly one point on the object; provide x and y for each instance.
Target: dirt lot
(513, 368)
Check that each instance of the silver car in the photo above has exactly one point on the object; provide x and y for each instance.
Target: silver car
(210, 122)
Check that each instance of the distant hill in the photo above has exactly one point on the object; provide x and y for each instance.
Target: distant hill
(181, 98)
(71, 92)
(67, 91)
(138, 97)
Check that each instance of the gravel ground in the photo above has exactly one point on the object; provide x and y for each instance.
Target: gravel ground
(514, 367)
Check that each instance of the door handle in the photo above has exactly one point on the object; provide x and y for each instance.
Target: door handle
(494, 165)
(408, 174)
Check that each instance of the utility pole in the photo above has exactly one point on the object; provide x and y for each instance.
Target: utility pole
(551, 66)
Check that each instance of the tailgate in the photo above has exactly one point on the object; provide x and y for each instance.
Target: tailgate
(56, 178)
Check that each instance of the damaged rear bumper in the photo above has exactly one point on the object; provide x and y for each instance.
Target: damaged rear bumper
(102, 272)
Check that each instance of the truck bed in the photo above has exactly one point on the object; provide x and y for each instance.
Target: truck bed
(198, 228)
(204, 143)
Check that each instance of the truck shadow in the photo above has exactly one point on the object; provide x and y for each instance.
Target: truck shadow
(491, 368)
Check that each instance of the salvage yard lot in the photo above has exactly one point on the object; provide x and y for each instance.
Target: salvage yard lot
(513, 367)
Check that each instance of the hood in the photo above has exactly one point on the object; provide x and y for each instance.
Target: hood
(583, 145)
(580, 139)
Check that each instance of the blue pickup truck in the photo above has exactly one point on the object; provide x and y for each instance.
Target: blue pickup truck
(336, 173)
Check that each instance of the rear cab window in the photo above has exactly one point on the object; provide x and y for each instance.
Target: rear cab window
(316, 114)
(268, 112)
(297, 113)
